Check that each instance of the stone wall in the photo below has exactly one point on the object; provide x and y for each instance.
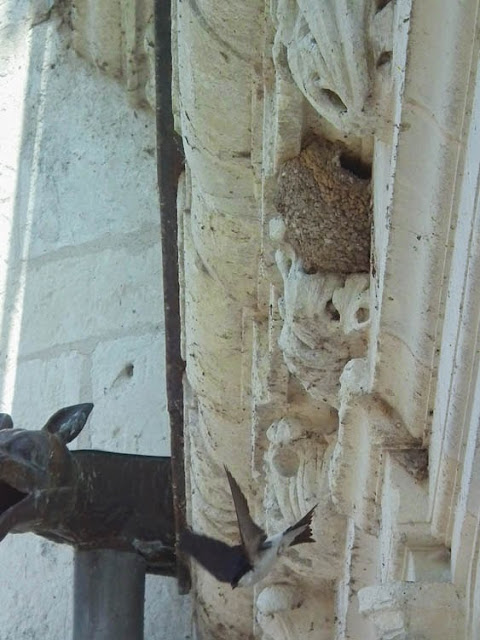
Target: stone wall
(81, 289)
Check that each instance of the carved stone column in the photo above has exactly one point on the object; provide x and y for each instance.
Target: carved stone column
(219, 51)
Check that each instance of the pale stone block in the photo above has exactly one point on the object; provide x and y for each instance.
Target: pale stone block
(91, 21)
(97, 170)
(37, 589)
(169, 615)
(128, 381)
(114, 36)
(41, 387)
(89, 296)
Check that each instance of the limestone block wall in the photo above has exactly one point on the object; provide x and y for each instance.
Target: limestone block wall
(81, 304)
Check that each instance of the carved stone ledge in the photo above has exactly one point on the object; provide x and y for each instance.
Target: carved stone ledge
(408, 549)
(408, 610)
(368, 428)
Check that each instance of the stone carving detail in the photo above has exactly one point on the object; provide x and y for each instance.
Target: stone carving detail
(296, 464)
(325, 320)
(334, 50)
(127, 53)
(288, 612)
(368, 427)
(325, 201)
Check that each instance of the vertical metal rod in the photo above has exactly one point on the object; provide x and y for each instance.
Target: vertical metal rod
(109, 594)
(169, 167)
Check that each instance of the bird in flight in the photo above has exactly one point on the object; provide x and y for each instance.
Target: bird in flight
(244, 564)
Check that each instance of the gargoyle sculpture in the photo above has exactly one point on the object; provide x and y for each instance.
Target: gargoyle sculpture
(89, 499)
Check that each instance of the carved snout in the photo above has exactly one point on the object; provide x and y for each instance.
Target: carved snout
(36, 467)
(90, 499)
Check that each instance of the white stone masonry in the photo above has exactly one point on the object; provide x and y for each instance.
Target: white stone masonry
(81, 306)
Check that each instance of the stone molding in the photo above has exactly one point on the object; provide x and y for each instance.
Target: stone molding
(407, 610)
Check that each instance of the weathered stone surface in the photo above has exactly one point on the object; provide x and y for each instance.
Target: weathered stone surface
(54, 208)
(25, 562)
(170, 614)
(333, 353)
(334, 53)
(46, 385)
(285, 611)
(222, 247)
(407, 610)
(116, 36)
(326, 386)
(325, 322)
(90, 295)
(128, 390)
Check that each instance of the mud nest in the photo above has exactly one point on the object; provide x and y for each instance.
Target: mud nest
(324, 198)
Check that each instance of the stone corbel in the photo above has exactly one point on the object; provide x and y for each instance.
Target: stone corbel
(325, 320)
(368, 427)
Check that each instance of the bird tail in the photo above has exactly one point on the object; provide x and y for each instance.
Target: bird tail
(304, 527)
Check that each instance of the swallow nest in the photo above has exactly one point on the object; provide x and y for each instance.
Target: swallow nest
(324, 198)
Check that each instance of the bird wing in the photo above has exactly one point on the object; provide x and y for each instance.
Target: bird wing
(225, 563)
(299, 532)
(251, 534)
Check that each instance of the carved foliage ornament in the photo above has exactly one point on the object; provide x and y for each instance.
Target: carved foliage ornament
(335, 53)
(325, 320)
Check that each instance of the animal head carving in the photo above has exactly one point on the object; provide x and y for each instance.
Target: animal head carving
(36, 466)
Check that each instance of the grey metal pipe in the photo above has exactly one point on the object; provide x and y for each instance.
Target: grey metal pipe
(109, 594)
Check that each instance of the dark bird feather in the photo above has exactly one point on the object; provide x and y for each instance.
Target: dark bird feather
(255, 554)
(306, 535)
(251, 534)
(224, 562)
